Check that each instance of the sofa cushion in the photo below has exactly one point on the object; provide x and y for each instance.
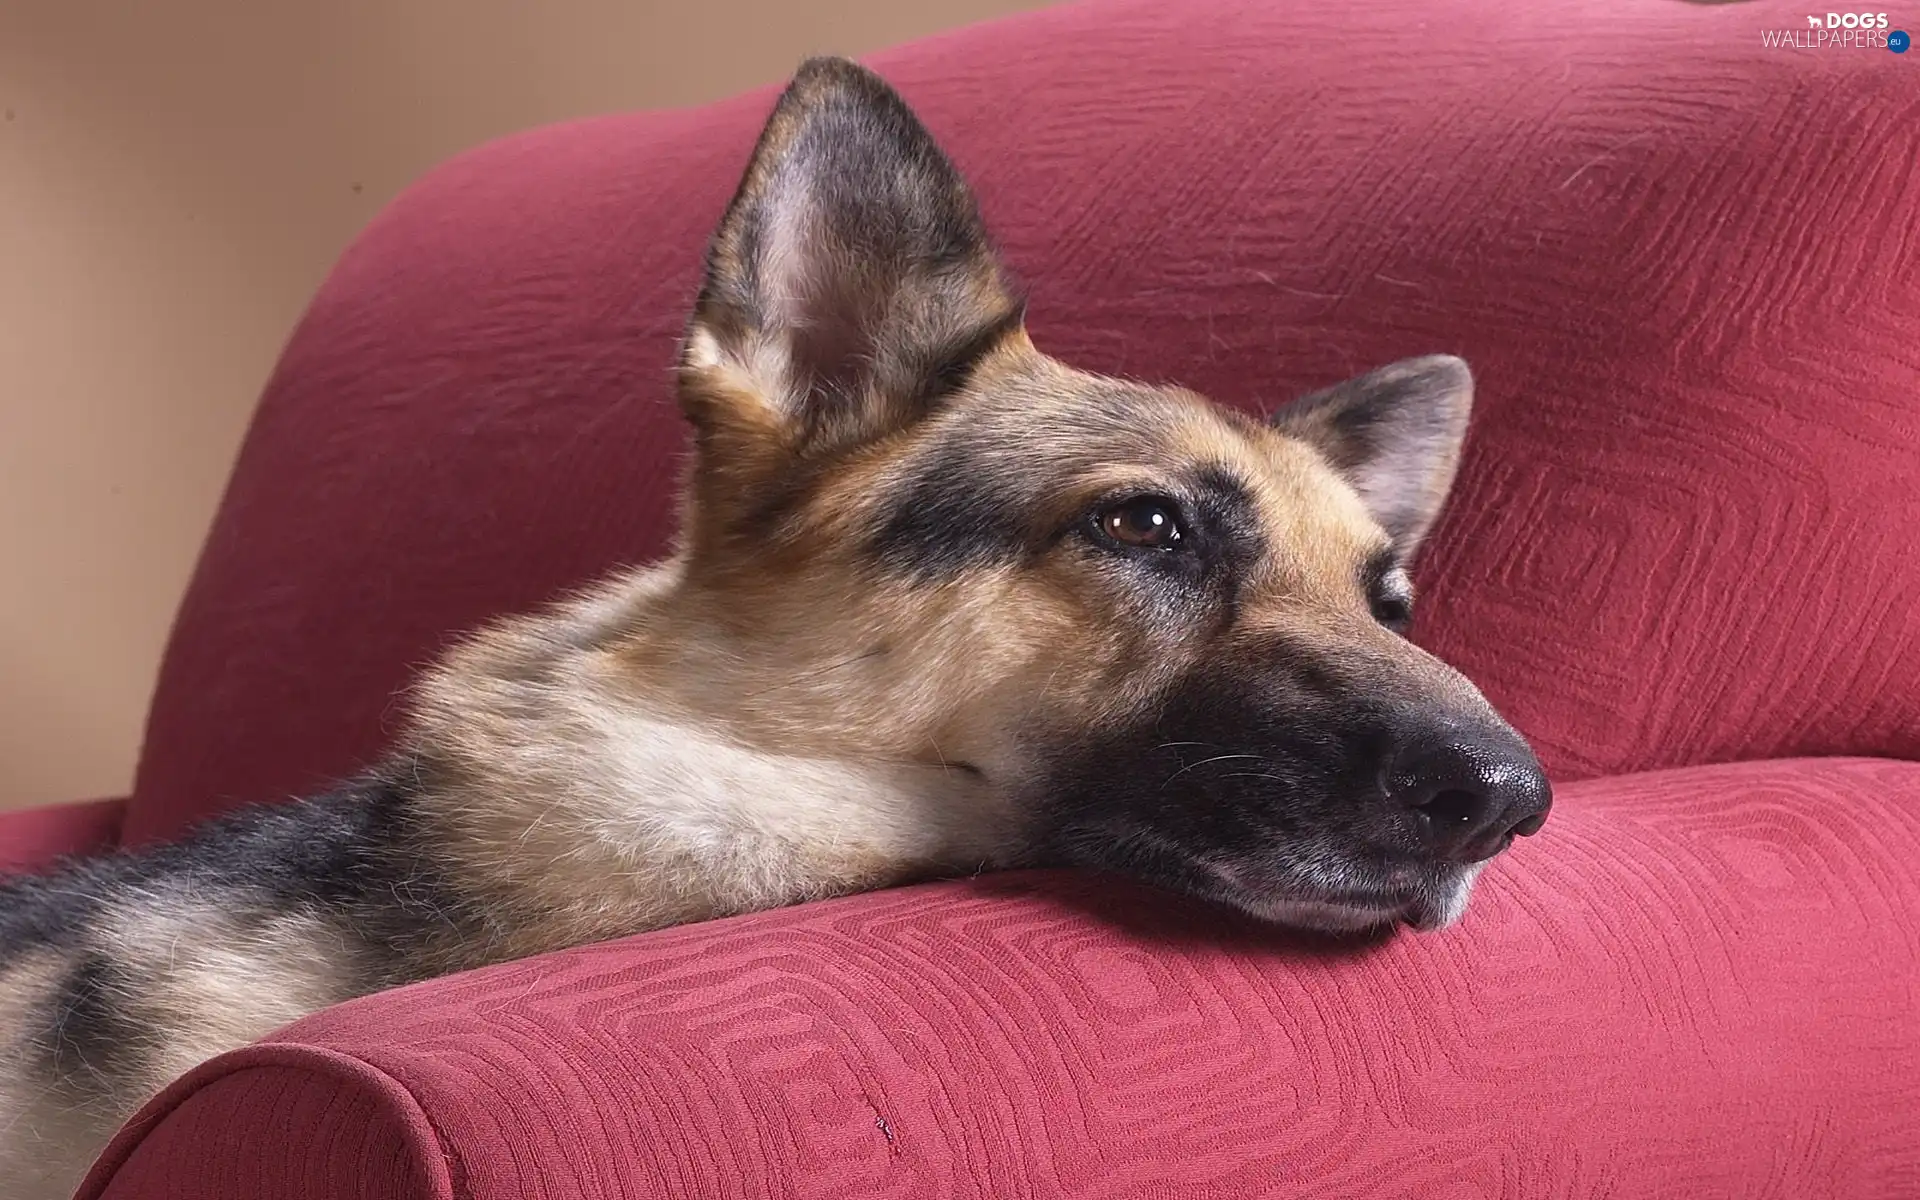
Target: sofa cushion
(35, 838)
(1677, 258)
(1695, 982)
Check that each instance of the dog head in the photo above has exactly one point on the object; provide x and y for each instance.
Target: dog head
(1167, 638)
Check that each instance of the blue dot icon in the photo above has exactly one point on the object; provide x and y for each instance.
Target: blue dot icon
(1898, 41)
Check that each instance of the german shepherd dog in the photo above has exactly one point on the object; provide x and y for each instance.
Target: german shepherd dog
(940, 604)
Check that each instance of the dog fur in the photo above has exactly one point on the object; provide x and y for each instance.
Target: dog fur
(924, 618)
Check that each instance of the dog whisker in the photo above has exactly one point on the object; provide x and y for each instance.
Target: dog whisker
(1203, 762)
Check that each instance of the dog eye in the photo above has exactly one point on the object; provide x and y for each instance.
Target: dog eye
(1395, 612)
(1144, 522)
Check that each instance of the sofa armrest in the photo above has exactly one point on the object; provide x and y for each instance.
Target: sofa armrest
(32, 839)
(1696, 982)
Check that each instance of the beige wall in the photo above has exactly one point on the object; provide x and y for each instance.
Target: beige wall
(175, 178)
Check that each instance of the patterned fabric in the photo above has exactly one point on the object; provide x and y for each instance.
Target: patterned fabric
(1707, 988)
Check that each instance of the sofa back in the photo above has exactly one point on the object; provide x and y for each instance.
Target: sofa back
(1684, 265)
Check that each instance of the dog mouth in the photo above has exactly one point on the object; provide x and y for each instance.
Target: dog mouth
(1425, 905)
(1318, 886)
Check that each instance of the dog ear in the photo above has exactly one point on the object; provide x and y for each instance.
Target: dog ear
(1395, 435)
(850, 284)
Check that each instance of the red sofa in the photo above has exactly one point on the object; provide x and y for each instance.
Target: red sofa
(1685, 559)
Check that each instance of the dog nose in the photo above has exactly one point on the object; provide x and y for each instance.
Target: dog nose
(1469, 796)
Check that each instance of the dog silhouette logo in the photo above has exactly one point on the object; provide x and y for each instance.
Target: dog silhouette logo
(1813, 22)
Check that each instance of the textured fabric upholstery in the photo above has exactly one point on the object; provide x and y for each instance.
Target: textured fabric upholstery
(35, 838)
(1707, 989)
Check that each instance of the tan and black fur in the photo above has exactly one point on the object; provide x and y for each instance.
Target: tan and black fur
(941, 604)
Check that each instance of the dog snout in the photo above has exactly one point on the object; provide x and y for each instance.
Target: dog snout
(1469, 796)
